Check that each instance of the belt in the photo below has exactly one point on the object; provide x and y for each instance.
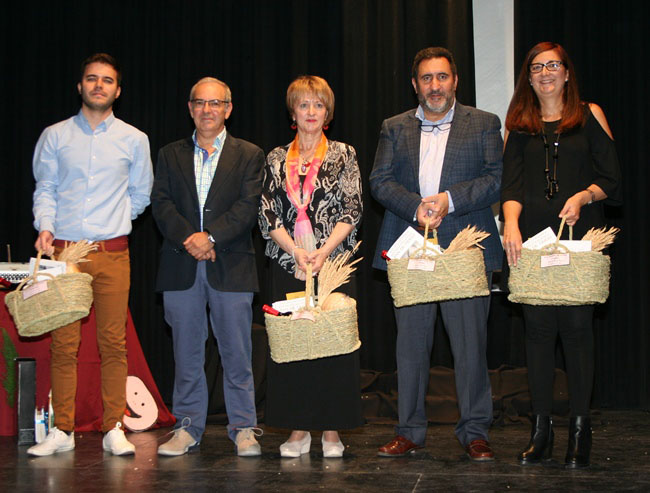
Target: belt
(117, 244)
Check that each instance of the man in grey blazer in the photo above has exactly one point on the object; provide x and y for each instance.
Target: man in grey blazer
(440, 163)
(205, 198)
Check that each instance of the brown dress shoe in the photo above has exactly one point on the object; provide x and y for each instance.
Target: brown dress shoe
(398, 447)
(479, 451)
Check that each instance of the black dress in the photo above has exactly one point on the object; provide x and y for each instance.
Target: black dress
(321, 394)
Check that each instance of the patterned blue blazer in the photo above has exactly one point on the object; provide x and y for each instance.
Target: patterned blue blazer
(471, 172)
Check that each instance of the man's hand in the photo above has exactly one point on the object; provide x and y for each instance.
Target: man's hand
(438, 204)
(44, 243)
(199, 246)
(425, 214)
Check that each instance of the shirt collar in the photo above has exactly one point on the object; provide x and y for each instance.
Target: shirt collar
(104, 125)
(419, 114)
(217, 143)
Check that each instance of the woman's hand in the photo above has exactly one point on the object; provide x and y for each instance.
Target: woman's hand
(512, 242)
(571, 209)
(301, 257)
(317, 258)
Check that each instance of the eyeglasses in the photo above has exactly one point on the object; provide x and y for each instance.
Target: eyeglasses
(551, 66)
(214, 104)
(430, 127)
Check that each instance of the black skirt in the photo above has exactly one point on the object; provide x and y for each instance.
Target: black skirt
(321, 394)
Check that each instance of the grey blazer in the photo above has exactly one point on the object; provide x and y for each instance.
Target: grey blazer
(230, 212)
(471, 172)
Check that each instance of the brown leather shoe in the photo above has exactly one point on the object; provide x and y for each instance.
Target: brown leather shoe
(479, 451)
(398, 447)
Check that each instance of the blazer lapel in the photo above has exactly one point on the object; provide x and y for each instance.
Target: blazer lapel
(454, 143)
(186, 165)
(226, 164)
(412, 131)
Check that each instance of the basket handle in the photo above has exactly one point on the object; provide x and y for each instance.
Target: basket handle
(559, 233)
(309, 286)
(34, 276)
(423, 248)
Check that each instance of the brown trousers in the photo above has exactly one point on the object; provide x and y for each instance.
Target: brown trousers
(111, 273)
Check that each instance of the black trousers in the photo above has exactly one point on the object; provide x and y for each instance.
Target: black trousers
(574, 325)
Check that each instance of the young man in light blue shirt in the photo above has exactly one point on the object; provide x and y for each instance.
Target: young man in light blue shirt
(93, 177)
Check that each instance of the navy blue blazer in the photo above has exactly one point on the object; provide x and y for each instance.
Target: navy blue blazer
(230, 213)
(471, 172)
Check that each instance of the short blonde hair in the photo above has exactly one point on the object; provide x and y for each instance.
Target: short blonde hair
(311, 84)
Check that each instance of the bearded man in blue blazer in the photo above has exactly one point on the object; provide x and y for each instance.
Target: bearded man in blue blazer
(440, 163)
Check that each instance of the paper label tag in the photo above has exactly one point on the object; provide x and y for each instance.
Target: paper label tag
(421, 264)
(35, 288)
(555, 259)
(303, 315)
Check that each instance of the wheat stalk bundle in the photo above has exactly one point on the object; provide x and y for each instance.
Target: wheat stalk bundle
(600, 238)
(74, 253)
(466, 239)
(335, 273)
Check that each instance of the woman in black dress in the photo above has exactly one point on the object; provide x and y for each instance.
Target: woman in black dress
(310, 209)
(559, 162)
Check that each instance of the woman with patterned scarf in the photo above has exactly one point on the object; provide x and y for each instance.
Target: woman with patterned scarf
(310, 209)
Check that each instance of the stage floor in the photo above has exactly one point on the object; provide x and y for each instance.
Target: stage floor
(620, 462)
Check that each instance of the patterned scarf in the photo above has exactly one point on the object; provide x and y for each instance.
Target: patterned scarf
(303, 234)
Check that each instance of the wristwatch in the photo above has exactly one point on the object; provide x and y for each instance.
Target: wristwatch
(210, 237)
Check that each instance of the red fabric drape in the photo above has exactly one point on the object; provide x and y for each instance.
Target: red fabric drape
(89, 398)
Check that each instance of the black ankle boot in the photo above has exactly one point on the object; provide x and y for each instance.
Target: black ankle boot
(577, 454)
(540, 447)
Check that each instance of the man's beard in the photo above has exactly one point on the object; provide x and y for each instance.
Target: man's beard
(444, 105)
(97, 106)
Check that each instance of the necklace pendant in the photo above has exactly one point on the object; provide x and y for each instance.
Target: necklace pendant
(303, 168)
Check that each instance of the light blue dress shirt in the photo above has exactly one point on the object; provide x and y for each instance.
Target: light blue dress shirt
(432, 155)
(205, 165)
(90, 184)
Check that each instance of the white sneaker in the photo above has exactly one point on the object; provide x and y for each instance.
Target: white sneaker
(332, 449)
(55, 441)
(297, 447)
(179, 444)
(116, 443)
(246, 442)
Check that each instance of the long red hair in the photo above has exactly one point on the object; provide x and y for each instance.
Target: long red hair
(524, 112)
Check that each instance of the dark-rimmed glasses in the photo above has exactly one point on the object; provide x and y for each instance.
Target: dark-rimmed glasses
(551, 66)
(430, 127)
(214, 104)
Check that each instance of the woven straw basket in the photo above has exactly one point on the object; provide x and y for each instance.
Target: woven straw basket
(585, 281)
(333, 332)
(457, 275)
(68, 298)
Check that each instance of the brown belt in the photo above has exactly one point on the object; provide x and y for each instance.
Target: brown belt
(118, 244)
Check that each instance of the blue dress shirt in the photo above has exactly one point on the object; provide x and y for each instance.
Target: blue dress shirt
(90, 184)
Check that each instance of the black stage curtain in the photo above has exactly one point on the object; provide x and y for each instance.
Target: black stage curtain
(364, 49)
